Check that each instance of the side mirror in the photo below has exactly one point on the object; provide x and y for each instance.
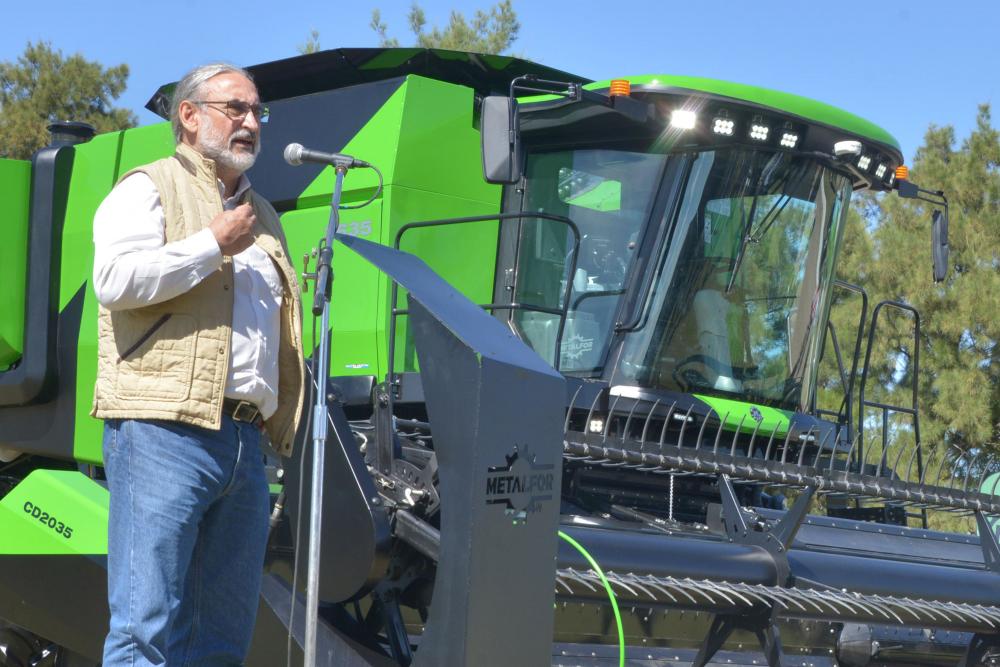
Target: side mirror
(501, 143)
(939, 223)
(939, 244)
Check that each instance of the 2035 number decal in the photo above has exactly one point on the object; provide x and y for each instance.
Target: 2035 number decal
(44, 517)
(363, 228)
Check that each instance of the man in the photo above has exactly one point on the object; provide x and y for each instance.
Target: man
(199, 355)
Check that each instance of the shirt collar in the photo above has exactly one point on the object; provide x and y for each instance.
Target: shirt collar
(241, 187)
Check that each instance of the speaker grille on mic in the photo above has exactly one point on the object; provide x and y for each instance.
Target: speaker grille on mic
(293, 154)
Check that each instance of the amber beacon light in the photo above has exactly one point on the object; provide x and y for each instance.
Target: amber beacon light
(620, 87)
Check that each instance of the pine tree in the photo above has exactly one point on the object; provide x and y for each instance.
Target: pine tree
(887, 250)
(486, 32)
(43, 86)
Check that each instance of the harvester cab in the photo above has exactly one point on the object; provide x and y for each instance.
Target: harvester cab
(575, 374)
(676, 240)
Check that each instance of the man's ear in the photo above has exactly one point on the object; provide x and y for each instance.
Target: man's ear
(188, 115)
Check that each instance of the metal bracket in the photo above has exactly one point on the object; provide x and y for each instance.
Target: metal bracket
(982, 651)
(762, 625)
(386, 447)
(777, 539)
(387, 603)
(988, 540)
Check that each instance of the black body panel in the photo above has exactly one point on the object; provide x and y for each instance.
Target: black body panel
(337, 68)
(33, 378)
(324, 121)
(47, 428)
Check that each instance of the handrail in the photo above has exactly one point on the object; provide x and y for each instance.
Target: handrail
(885, 408)
(847, 381)
(513, 305)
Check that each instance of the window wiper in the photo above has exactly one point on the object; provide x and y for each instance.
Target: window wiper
(746, 222)
(779, 205)
(769, 218)
(749, 236)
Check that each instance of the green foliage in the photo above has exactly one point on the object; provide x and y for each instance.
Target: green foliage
(381, 29)
(311, 45)
(887, 250)
(487, 32)
(44, 86)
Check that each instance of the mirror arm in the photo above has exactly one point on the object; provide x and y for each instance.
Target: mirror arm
(910, 190)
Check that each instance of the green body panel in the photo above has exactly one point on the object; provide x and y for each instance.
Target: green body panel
(739, 415)
(423, 121)
(605, 197)
(991, 486)
(423, 138)
(803, 107)
(74, 509)
(437, 175)
(94, 174)
(354, 299)
(390, 58)
(15, 184)
(143, 145)
(463, 254)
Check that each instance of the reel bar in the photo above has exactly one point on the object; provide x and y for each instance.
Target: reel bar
(633, 453)
(723, 597)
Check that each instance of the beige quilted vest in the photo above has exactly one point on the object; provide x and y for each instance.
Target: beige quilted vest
(171, 360)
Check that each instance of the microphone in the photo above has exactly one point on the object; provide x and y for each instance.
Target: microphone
(296, 154)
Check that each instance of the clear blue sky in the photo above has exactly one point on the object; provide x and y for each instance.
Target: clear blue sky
(901, 65)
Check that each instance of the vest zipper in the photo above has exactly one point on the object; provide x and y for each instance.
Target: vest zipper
(142, 339)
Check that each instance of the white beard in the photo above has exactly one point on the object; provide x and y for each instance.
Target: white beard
(213, 145)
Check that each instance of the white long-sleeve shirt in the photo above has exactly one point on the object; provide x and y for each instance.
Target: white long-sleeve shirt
(134, 267)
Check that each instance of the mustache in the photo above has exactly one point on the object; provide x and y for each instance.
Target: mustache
(243, 135)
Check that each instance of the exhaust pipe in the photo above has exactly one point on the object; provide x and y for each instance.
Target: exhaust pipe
(70, 133)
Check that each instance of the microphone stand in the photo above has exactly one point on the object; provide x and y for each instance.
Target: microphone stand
(321, 306)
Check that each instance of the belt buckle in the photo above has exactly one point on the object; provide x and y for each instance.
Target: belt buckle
(245, 411)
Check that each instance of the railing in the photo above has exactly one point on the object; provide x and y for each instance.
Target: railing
(513, 305)
(845, 414)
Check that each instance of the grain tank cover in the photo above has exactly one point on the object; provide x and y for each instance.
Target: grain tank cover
(338, 68)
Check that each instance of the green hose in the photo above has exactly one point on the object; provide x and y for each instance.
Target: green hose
(611, 594)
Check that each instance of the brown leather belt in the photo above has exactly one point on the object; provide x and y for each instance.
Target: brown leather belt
(243, 411)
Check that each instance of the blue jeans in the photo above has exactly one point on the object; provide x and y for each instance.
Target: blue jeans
(186, 539)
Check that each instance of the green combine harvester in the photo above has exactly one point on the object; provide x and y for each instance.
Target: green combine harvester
(574, 373)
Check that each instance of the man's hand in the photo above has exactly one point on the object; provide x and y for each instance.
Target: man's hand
(232, 229)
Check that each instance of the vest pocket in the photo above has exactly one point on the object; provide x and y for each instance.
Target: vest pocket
(159, 363)
(143, 338)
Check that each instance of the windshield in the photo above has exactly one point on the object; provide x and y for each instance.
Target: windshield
(742, 288)
(608, 194)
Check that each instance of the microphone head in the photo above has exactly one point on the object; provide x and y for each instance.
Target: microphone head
(293, 154)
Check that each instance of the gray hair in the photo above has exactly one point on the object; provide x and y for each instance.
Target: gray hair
(189, 87)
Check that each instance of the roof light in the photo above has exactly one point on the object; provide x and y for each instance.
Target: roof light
(880, 172)
(683, 119)
(902, 172)
(723, 125)
(758, 130)
(620, 87)
(864, 162)
(789, 139)
(847, 148)
(789, 135)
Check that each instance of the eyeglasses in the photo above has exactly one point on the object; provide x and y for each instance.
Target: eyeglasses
(237, 109)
